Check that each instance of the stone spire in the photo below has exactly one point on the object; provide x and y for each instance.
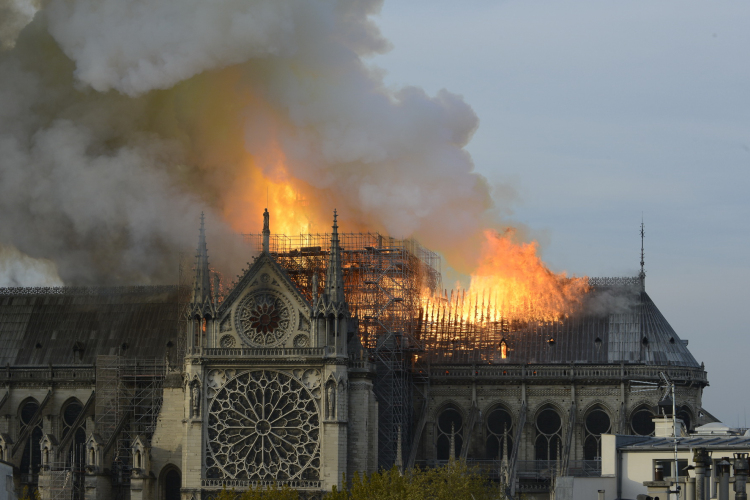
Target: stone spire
(505, 444)
(202, 283)
(504, 465)
(334, 274)
(452, 452)
(266, 231)
(642, 274)
(399, 452)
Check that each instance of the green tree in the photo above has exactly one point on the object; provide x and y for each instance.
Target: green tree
(271, 492)
(455, 481)
(225, 494)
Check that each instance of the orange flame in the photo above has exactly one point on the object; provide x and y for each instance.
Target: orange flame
(512, 282)
(273, 188)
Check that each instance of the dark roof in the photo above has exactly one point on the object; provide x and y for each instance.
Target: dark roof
(616, 324)
(69, 325)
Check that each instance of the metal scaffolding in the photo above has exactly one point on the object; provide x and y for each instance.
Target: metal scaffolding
(384, 279)
(129, 398)
(62, 484)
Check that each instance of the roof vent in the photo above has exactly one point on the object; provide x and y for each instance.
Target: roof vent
(124, 346)
(551, 342)
(598, 342)
(170, 343)
(671, 340)
(644, 341)
(38, 345)
(78, 346)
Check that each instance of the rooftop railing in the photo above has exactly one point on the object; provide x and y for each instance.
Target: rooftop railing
(241, 484)
(572, 372)
(242, 352)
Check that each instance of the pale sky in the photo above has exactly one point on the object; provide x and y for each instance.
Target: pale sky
(598, 112)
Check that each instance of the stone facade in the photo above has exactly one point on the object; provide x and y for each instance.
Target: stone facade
(275, 386)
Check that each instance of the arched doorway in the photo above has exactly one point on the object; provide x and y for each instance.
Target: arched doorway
(171, 482)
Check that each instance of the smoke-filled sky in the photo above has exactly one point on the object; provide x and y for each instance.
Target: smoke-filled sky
(121, 121)
(596, 113)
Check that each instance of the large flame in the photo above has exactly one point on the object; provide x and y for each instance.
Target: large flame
(512, 283)
(287, 199)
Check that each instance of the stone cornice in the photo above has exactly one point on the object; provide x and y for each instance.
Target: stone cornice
(562, 374)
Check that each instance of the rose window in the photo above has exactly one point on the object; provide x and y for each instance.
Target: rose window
(263, 426)
(263, 319)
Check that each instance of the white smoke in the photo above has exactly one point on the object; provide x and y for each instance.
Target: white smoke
(14, 15)
(122, 120)
(17, 269)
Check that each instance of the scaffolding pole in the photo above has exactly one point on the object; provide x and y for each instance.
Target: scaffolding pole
(127, 388)
(384, 280)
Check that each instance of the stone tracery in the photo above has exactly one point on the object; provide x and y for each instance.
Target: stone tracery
(263, 319)
(264, 425)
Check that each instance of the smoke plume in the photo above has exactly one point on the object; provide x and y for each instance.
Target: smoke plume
(17, 269)
(120, 121)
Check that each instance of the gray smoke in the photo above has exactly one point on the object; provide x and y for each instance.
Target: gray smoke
(17, 269)
(122, 120)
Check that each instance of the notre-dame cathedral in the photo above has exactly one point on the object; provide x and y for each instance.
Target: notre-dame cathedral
(321, 360)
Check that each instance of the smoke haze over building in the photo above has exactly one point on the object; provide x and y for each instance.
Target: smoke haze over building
(121, 122)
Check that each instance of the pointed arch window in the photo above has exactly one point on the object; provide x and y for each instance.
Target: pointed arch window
(549, 435)
(499, 425)
(641, 421)
(596, 423)
(449, 422)
(76, 453)
(31, 460)
(683, 413)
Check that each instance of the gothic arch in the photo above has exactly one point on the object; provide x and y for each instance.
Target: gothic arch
(686, 410)
(639, 423)
(449, 419)
(70, 410)
(549, 422)
(436, 411)
(170, 482)
(331, 397)
(597, 402)
(596, 419)
(498, 419)
(31, 460)
(550, 403)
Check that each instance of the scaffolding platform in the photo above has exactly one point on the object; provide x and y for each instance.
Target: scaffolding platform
(384, 280)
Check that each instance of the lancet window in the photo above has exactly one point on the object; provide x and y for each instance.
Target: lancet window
(70, 414)
(641, 421)
(449, 423)
(31, 460)
(549, 435)
(596, 423)
(499, 425)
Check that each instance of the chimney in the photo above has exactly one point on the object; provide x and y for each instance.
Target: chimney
(740, 476)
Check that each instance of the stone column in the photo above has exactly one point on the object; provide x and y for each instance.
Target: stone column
(193, 449)
(359, 425)
(333, 456)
